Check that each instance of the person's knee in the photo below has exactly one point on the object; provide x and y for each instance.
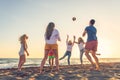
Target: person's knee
(56, 59)
(45, 58)
(86, 54)
(94, 55)
(23, 61)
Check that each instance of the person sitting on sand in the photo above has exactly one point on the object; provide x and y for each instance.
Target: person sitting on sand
(69, 49)
(81, 48)
(22, 51)
(51, 59)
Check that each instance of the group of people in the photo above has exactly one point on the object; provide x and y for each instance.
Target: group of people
(51, 47)
(70, 44)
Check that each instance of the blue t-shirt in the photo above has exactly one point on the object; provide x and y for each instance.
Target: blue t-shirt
(91, 32)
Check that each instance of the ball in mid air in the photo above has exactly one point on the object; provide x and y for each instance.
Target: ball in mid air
(74, 18)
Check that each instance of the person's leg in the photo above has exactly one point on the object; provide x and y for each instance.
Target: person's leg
(21, 62)
(96, 60)
(94, 49)
(50, 62)
(56, 59)
(44, 60)
(88, 56)
(81, 55)
(24, 59)
(69, 55)
(63, 56)
(89, 47)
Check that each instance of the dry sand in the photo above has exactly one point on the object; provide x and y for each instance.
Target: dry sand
(109, 71)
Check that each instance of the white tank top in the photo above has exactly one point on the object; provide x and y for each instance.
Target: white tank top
(54, 37)
(69, 47)
(22, 51)
(81, 46)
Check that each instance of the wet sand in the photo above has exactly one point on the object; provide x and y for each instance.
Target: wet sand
(109, 71)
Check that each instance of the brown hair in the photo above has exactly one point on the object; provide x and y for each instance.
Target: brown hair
(49, 30)
(69, 42)
(80, 40)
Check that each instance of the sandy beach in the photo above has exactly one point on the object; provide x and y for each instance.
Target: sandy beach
(109, 71)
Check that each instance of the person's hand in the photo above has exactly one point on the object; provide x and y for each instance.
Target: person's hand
(67, 36)
(27, 54)
(74, 37)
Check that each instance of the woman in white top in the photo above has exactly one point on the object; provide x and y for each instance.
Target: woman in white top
(81, 48)
(69, 49)
(22, 51)
(51, 38)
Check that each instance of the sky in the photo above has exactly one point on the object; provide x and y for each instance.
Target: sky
(31, 17)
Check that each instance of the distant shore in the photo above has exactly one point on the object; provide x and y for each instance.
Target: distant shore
(109, 71)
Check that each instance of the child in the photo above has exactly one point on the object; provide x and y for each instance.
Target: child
(69, 49)
(22, 51)
(81, 48)
(51, 58)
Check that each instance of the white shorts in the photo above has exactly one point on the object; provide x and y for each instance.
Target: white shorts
(21, 53)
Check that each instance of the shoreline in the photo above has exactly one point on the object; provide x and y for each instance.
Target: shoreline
(109, 71)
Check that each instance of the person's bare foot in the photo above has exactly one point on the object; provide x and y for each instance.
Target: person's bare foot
(56, 70)
(41, 72)
(82, 65)
(97, 68)
(91, 68)
(19, 69)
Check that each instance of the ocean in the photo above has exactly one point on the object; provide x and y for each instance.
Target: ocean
(6, 63)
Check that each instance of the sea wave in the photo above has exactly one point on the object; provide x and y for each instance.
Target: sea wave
(6, 63)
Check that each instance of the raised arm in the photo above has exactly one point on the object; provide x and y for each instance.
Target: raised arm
(59, 39)
(73, 40)
(67, 38)
(84, 33)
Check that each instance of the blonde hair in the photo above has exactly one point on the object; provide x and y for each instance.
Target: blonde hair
(80, 40)
(69, 42)
(23, 38)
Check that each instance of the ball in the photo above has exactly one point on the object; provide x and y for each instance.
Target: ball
(74, 18)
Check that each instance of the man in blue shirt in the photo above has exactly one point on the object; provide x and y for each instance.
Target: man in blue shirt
(91, 44)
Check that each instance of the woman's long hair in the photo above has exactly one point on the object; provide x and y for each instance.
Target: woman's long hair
(22, 38)
(49, 30)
